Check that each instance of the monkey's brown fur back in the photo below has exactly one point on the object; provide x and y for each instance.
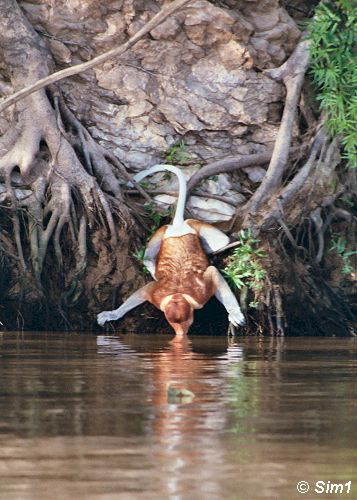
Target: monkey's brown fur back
(180, 265)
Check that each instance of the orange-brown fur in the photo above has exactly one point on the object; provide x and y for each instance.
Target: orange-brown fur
(175, 258)
(180, 265)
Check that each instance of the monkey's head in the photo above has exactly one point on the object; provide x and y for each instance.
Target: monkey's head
(179, 313)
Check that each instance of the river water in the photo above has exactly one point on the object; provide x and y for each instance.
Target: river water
(91, 417)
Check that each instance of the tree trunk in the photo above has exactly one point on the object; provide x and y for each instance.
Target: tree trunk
(209, 78)
(59, 188)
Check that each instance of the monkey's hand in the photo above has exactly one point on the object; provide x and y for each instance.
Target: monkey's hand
(105, 316)
(236, 317)
(225, 295)
(134, 300)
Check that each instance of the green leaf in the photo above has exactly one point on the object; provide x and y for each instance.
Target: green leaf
(333, 69)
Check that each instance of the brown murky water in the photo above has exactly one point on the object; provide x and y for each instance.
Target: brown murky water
(86, 417)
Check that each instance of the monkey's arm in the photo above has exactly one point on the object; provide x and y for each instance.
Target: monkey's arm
(225, 295)
(212, 239)
(134, 300)
(152, 249)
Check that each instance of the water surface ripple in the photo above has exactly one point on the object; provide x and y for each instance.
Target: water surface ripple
(89, 417)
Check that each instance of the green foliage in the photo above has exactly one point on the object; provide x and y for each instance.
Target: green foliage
(333, 35)
(244, 266)
(139, 256)
(178, 154)
(157, 217)
(339, 245)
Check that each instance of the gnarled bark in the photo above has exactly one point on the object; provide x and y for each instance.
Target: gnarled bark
(68, 197)
(64, 217)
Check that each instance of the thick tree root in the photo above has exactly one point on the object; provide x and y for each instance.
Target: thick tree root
(53, 183)
(292, 74)
(56, 183)
(58, 187)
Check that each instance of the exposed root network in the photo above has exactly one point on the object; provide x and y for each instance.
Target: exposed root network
(44, 177)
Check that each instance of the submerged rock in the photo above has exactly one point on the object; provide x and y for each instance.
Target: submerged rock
(179, 395)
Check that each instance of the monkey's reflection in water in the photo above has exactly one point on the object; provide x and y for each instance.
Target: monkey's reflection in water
(187, 443)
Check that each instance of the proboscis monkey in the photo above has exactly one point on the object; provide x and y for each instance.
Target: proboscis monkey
(176, 258)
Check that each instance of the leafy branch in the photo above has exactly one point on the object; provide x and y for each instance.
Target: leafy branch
(244, 266)
(339, 246)
(333, 41)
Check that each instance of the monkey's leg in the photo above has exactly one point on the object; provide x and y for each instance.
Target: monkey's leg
(152, 249)
(225, 295)
(134, 300)
(212, 239)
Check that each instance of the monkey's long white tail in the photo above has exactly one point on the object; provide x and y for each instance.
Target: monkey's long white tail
(180, 208)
